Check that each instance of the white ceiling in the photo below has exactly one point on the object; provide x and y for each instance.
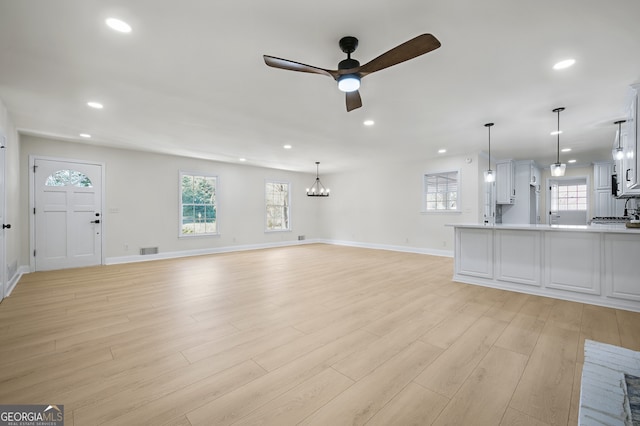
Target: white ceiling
(190, 79)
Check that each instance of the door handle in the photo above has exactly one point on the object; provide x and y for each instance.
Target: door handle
(7, 226)
(95, 221)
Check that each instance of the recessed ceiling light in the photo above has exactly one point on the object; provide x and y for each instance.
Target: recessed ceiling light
(442, 151)
(287, 146)
(96, 105)
(556, 132)
(564, 64)
(85, 135)
(369, 122)
(243, 159)
(565, 149)
(118, 25)
(572, 161)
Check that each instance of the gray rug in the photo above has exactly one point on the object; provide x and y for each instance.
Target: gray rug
(633, 392)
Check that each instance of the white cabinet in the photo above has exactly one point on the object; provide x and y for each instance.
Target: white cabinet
(602, 175)
(505, 185)
(525, 208)
(604, 203)
(629, 166)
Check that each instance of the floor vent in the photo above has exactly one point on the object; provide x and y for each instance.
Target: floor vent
(149, 250)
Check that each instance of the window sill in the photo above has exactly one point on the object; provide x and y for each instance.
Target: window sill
(217, 234)
(269, 231)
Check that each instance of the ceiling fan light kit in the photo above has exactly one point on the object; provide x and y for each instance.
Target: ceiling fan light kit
(350, 73)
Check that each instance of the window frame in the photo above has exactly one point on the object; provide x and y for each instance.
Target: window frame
(425, 188)
(216, 205)
(266, 219)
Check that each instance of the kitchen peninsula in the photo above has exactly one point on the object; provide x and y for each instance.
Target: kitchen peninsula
(595, 264)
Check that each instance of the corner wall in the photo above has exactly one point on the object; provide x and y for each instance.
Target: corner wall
(381, 206)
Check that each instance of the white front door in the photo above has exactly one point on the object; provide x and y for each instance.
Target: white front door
(68, 214)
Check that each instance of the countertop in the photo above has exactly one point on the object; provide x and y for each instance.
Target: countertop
(602, 228)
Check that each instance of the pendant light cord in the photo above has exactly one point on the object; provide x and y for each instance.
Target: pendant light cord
(558, 136)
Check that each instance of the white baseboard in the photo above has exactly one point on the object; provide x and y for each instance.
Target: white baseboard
(230, 249)
(200, 252)
(11, 284)
(405, 249)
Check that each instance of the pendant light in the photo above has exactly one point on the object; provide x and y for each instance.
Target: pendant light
(489, 176)
(557, 169)
(618, 153)
(317, 189)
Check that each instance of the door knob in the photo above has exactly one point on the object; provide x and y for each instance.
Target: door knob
(7, 226)
(95, 221)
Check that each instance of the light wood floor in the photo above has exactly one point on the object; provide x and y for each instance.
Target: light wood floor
(314, 334)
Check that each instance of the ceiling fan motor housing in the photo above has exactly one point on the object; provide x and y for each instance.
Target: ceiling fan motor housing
(347, 64)
(348, 44)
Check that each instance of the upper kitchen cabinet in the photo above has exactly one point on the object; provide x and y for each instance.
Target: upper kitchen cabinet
(505, 182)
(602, 172)
(525, 208)
(628, 169)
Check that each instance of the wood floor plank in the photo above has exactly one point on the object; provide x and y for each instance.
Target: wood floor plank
(484, 396)
(172, 406)
(521, 335)
(360, 402)
(544, 392)
(241, 402)
(629, 328)
(412, 406)
(299, 402)
(516, 418)
(446, 374)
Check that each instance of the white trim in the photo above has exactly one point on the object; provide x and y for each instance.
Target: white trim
(200, 252)
(11, 284)
(191, 173)
(290, 190)
(423, 194)
(231, 249)
(32, 203)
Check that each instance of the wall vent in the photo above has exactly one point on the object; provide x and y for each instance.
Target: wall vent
(149, 250)
(301, 237)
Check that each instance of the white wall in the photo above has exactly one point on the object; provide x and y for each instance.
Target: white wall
(382, 205)
(12, 184)
(143, 188)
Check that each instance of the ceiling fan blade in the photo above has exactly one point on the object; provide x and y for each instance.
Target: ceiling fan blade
(286, 64)
(354, 100)
(415, 47)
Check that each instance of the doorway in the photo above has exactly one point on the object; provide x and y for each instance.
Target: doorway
(67, 210)
(5, 226)
(568, 201)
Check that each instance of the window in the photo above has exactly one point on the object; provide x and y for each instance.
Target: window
(69, 178)
(277, 203)
(198, 208)
(569, 197)
(441, 192)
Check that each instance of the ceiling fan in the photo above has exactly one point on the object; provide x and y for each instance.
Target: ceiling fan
(350, 72)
